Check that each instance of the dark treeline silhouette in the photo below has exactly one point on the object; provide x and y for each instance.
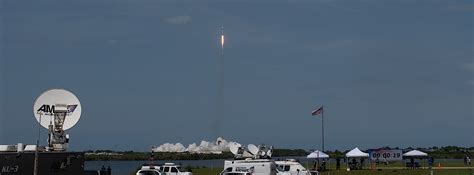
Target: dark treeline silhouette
(446, 152)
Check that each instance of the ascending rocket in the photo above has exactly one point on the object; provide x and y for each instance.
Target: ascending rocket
(222, 38)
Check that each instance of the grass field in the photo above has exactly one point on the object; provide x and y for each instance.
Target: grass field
(446, 168)
(208, 171)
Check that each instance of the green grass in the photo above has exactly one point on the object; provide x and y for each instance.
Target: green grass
(442, 163)
(398, 172)
(382, 171)
(215, 171)
(378, 171)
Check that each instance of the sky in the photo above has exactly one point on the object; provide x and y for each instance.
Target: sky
(389, 73)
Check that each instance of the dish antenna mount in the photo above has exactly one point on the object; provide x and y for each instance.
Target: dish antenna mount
(57, 110)
(252, 151)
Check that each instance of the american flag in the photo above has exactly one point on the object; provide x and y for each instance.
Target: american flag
(317, 111)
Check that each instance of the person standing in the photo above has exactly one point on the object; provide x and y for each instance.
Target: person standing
(354, 163)
(430, 162)
(103, 170)
(109, 170)
(338, 163)
(323, 165)
(465, 160)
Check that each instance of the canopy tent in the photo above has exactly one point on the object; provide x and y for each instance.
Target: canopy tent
(356, 152)
(353, 154)
(412, 155)
(317, 155)
(415, 153)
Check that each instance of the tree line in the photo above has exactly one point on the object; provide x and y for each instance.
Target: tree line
(449, 152)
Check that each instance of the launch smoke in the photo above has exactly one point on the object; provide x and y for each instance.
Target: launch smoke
(205, 147)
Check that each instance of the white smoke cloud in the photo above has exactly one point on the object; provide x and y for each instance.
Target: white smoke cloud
(206, 147)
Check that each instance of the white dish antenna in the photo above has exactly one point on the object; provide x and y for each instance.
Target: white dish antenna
(269, 153)
(253, 149)
(234, 147)
(44, 107)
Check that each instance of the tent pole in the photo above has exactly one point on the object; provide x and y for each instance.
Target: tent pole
(318, 161)
(347, 162)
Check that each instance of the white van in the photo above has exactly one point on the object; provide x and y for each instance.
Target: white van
(251, 167)
(173, 169)
(149, 169)
(292, 167)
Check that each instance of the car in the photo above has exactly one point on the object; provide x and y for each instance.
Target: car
(173, 169)
(149, 169)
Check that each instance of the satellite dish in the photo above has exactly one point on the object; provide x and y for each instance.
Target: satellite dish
(44, 107)
(234, 147)
(252, 149)
(269, 153)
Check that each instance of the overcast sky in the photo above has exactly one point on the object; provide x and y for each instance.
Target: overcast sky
(388, 73)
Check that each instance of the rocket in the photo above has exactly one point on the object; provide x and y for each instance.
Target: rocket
(222, 37)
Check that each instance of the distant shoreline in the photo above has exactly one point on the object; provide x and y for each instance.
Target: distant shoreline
(105, 155)
(450, 152)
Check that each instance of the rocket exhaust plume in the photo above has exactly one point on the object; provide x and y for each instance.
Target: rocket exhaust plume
(205, 147)
(215, 128)
(222, 38)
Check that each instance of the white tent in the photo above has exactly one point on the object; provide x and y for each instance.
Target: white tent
(317, 155)
(415, 153)
(356, 152)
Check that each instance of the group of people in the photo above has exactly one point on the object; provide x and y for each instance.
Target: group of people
(415, 165)
(320, 166)
(353, 164)
(412, 164)
(105, 171)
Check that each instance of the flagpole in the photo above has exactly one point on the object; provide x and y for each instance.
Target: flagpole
(320, 110)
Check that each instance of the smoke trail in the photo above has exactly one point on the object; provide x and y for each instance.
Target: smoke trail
(217, 147)
(220, 90)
